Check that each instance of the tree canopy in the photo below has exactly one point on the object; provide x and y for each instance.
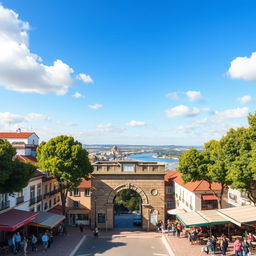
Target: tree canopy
(14, 175)
(66, 160)
(231, 161)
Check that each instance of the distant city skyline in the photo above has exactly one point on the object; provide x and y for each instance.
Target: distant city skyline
(127, 72)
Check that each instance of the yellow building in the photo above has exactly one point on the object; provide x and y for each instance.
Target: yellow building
(79, 204)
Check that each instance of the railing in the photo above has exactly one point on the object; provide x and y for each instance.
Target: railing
(46, 194)
(4, 205)
(53, 192)
(39, 198)
(32, 201)
(19, 200)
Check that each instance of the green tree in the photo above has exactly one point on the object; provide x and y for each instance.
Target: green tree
(240, 155)
(128, 199)
(67, 161)
(208, 165)
(14, 175)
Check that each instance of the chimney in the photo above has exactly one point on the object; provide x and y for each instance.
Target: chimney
(18, 130)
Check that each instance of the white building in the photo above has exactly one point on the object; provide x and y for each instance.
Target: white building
(237, 198)
(25, 143)
(196, 196)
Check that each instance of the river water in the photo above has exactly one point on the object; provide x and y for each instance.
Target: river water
(149, 157)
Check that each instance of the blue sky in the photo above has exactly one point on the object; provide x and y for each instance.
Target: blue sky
(127, 72)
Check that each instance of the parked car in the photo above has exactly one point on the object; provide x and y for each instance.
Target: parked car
(137, 221)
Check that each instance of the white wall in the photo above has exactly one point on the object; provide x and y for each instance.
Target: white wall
(33, 139)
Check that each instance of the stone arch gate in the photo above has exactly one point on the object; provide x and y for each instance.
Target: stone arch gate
(109, 178)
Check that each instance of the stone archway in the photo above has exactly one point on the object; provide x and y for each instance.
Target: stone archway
(119, 188)
(111, 177)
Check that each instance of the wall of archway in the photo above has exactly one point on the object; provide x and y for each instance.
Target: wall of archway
(147, 180)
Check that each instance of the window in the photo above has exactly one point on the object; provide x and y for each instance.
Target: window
(209, 204)
(32, 209)
(76, 192)
(20, 194)
(87, 192)
(38, 189)
(169, 203)
(75, 204)
(50, 203)
(82, 216)
(45, 206)
(54, 201)
(58, 199)
(50, 188)
(101, 217)
(32, 192)
(169, 190)
(39, 208)
(46, 189)
(128, 167)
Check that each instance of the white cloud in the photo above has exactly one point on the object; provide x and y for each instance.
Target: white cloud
(194, 95)
(22, 70)
(231, 114)
(37, 117)
(172, 96)
(245, 99)
(78, 95)
(134, 123)
(109, 128)
(190, 127)
(95, 106)
(182, 111)
(243, 68)
(85, 78)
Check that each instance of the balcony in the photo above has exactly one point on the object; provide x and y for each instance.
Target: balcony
(39, 198)
(53, 192)
(4, 205)
(19, 200)
(46, 195)
(32, 201)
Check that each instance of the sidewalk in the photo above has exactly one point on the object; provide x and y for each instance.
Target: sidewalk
(182, 247)
(62, 244)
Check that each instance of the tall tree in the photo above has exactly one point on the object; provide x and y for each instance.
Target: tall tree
(207, 165)
(14, 175)
(67, 161)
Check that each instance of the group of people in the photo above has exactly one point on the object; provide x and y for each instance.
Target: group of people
(242, 247)
(18, 243)
(174, 228)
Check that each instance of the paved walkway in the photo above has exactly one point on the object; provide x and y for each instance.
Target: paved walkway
(182, 247)
(62, 244)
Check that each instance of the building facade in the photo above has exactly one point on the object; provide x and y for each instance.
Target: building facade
(111, 177)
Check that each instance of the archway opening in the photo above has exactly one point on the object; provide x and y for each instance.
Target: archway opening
(127, 210)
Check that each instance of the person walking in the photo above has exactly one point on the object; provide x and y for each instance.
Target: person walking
(96, 232)
(45, 241)
(224, 245)
(81, 227)
(245, 247)
(25, 245)
(18, 241)
(33, 243)
(238, 247)
(178, 229)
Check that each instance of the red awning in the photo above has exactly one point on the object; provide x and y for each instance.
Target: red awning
(209, 197)
(14, 219)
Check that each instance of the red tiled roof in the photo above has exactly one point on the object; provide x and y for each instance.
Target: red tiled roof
(168, 175)
(200, 185)
(85, 184)
(15, 135)
(14, 219)
(209, 197)
(29, 159)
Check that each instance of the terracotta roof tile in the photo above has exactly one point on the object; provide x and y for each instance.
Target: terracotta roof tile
(200, 185)
(29, 159)
(16, 135)
(85, 184)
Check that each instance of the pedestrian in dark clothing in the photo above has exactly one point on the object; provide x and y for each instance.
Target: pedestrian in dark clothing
(81, 227)
(33, 243)
(224, 245)
(245, 247)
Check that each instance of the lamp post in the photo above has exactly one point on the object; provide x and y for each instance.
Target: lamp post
(95, 222)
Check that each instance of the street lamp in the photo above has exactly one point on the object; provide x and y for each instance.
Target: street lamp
(94, 199)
